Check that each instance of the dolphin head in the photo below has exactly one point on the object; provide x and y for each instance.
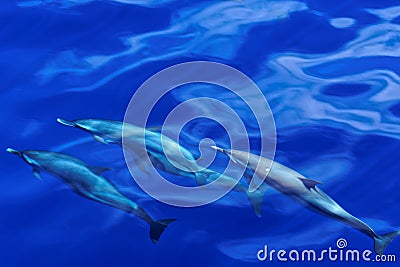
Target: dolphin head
(103, 130)
(29, 156)
(85, 124)
(13, 151)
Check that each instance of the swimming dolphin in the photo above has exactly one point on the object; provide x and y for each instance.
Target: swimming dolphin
(157, 146)
(305, 191)
(87, 181)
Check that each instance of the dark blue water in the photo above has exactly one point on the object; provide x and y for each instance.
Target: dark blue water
(329, 69)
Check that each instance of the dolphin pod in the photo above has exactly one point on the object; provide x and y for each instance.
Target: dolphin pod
(304, 191)
(157, 146)
(88, 182)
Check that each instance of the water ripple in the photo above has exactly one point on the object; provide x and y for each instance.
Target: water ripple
(353, 87)
(196, 30)
(64, 4)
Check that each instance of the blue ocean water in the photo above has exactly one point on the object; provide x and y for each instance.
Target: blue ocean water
(330, 72)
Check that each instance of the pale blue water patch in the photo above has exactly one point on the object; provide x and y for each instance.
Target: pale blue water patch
(342, 23)
(389, 13)
(337, 68)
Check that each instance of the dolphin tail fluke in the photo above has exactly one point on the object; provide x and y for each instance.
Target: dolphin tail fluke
(381, 242)
(256, 199)
(157, 228)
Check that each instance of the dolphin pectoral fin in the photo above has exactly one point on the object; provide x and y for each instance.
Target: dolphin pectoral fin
(99, 169)
(100, 139)
(104, 141)
(36, 173)
(309, 183)
(157, 228)
(256, 199)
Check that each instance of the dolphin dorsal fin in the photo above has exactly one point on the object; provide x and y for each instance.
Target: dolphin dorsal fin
(309, 183)
(99, 169)
(36, 173)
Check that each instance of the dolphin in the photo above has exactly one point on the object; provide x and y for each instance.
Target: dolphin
(88, 182)
(110, 132)
(157, 146)
(304, 191)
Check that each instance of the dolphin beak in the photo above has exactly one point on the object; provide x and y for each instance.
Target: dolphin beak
(225, 152)
(13, 151)
(65, 122)
(218, 149)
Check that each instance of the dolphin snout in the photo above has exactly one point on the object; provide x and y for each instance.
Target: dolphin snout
(227, 152)
(66, 122)
(219, 149)
(13, 151)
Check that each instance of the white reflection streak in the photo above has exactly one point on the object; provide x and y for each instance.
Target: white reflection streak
(196, 30)
(297, 92)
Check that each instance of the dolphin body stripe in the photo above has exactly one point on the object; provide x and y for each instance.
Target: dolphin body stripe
(88, 182)
(306, 192)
